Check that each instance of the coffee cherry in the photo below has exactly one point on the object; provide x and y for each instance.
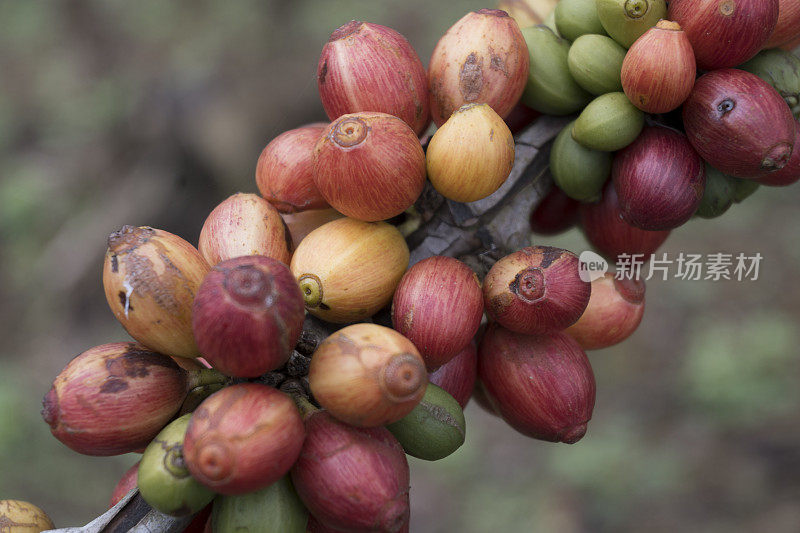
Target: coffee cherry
(543, 386)
(481, 59)
(434, 429)
(284, 171)
(150, 278)
(471, 155)
(244, 224)
(367, 375)
(348, 269)
(248, 315)
(114, 398)
(369, 67)
(243, 438)
(438, 305)
(536, 290)
(369, 166)
(164, 479)
(352, 479)
(614, 312)
(274, 509)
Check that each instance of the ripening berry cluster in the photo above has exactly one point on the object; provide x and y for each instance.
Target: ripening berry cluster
(226, 390)
(667, 128)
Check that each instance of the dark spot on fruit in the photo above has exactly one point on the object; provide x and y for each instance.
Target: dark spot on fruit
(50, 408)
(6, 524)
(123, 299)
(323, 72)
(342, 32)
(145, 281)
(129, 238)
(500, 303)
(496, 62)
(114, 264)
(347, 346)
(113, 386)
(725, 106)
(176, 457)
(549, 255)
(776, 157)
(136, 363)
(471, 78)
(727, 7)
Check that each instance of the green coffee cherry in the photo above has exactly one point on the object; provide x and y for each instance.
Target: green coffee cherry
(550, 87)
(578, 171)
(275, 509)
(595, 62)
(577, 17)
(626, 20)
(610, 122)
(164, 480)
(781, 69)
(743, 189)
(434, 429)
(718, 195)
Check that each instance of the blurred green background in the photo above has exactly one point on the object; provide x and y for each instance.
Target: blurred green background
(151, 112)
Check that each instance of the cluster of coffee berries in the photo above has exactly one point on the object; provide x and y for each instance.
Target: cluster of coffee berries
(284, 367)
(654, 144)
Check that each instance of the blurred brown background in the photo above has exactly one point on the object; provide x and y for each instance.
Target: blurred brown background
(151, 112)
